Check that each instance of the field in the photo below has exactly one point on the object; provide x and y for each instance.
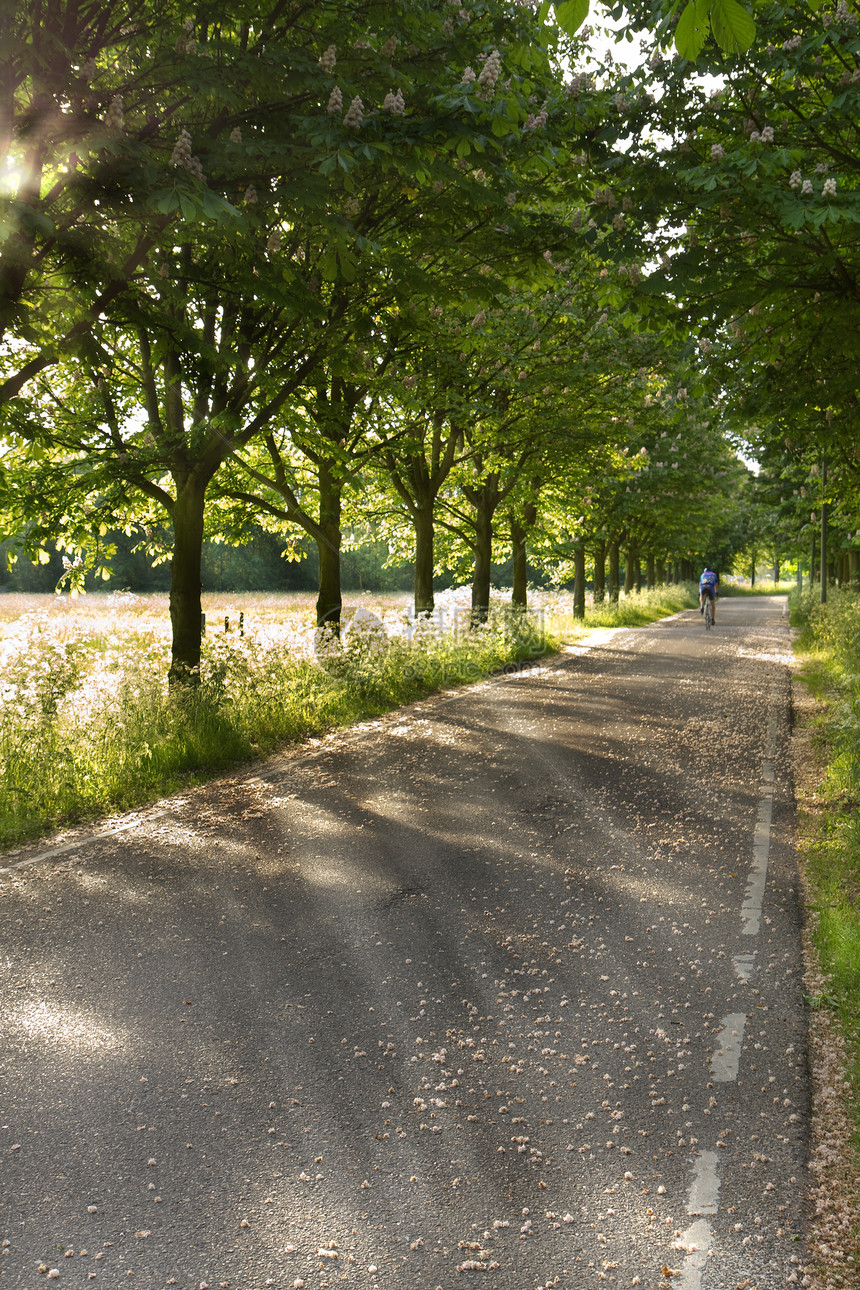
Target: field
(87, 725)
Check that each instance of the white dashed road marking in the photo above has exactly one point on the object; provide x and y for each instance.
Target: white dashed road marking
(751, 911)
(725, 1062)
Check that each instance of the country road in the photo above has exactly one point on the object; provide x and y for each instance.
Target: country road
(501, 990)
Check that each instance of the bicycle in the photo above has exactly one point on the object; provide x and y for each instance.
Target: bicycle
(709, 614)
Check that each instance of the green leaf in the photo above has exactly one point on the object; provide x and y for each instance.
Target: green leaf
(732, 26)
(571, 14)
(692, 30)
(328, 264)
(347, 266)
(188, 207)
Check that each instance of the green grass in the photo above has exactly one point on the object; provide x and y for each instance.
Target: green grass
(764, 588)
(827, 644)
(66, 764)
(635, 610)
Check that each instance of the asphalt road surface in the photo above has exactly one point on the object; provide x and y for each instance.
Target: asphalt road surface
(502, 990)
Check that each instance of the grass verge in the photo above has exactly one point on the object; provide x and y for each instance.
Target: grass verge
(86, 731)
(828, 788)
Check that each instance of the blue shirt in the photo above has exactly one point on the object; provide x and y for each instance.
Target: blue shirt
(708, 581)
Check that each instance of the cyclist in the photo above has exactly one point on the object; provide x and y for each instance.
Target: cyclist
(708, 584)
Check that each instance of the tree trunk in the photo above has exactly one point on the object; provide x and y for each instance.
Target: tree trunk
(630, 571)
(613, 572)
(775, 567)
(483, 560)
(424, 560)
(650, 574)
(519, 576)
(854, 569)
(661, 573)
(329, 599)
(186, 610)
(579, 581)
(812, 567)
(600, 573)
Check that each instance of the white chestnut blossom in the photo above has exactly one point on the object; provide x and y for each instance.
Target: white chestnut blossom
(394, 103)
(335, 102)
(717, 152)
(490, 74)
(236, 135)
(113, 116)
(806, 188)
(387, 50)
(829, 189)
(328, 58)
(251, 197)
(468, 76)
(355, 115)
(536, 122)
(183, 156)
(795, 179)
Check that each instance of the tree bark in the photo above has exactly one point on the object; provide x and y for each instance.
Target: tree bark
(186, 609)
(854, 569)
(600, 573)
(661, 573)
(329, 599)
(579, 581)
(613, 572)
(650, 575)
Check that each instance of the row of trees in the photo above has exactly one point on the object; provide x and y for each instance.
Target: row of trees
(332, 269)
